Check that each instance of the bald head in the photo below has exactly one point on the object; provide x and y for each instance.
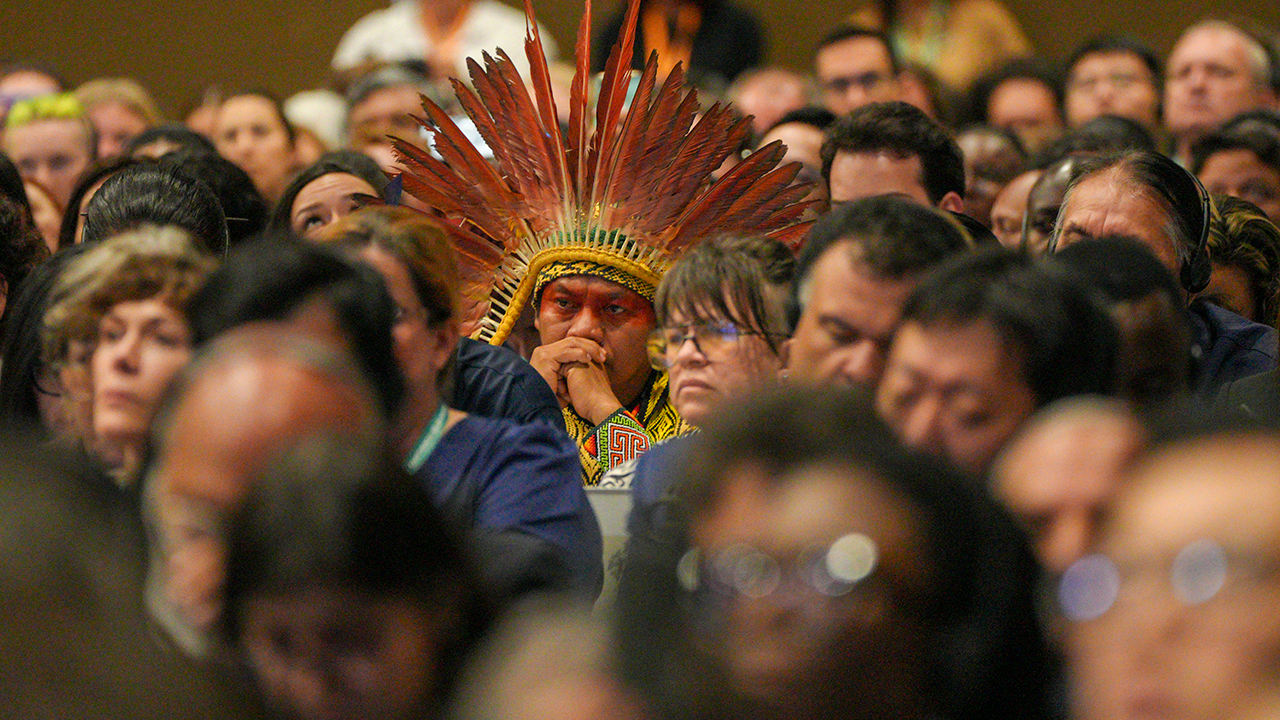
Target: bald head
(249, 397)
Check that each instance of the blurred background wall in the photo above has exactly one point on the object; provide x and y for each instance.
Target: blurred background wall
(177, 49)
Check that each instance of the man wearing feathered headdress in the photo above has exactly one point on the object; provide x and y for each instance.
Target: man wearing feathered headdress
(583, 224)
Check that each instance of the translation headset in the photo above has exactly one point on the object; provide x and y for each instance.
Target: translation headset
(1194, 272)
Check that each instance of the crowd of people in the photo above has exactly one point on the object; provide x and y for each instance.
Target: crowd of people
(940, 379)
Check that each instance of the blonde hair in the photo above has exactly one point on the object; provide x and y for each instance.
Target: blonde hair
(141, 264)
(125, 91)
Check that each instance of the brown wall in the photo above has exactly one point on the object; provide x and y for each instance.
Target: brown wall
(176, 49)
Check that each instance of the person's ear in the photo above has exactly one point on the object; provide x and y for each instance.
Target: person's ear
(444, 340)
(951, 201)
(784, 357)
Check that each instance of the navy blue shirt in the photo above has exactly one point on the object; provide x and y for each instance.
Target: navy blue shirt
(520, 487)
(1226, 347)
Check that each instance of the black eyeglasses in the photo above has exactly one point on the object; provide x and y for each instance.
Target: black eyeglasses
(710, 339)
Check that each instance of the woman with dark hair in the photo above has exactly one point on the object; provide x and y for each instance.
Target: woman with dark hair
(21, 247)
(151, 194)
(336, 185)
(11, 184)
(517, 485)
(252, 132)
(811, 568)
(347, 595)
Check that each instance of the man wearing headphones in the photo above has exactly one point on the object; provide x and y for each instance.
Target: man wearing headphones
(1147, 197)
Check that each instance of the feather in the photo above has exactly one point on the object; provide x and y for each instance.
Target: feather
(635, 187)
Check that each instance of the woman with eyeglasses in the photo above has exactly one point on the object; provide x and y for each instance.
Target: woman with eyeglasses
(721, 319)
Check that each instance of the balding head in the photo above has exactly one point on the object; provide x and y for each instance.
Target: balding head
(249, 396)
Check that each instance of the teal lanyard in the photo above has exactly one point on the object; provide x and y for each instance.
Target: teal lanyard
(429, 440)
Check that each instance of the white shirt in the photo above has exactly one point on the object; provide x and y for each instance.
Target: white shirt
(396, 34)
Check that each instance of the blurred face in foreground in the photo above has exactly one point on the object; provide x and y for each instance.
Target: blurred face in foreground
(1176, 616)
(808, 589)
(957, 391)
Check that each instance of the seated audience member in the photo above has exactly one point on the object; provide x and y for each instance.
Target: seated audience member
(1147, 306)
(441, 35)
(958, 42)
(1148, 197)
(769, 94)
(1044, 201)
(1056, 475)
(1241, 163)
(155, 141)
(721, 322)
(1009, 209)
(858, 265)
(487, 380)
(1216, 71)
(985, 340)
(348, 596)
(1113, 75)
(245, 208)
(550, 542)
(31, 392)
(992, 159)
(1024, 97)
(1175, 608)
(338, 184)
(252, 132)
(119, 109)
(803, 132)
(244, 400)
(828, 573)
(893, 148)
(855, 66)
(51, 141)
(1245, 249)
(71, 227)
(516, 484)
(714, 40)
(379, 106)
(123, 302)
(151, 194)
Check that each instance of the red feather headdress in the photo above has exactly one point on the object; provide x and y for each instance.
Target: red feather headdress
(629, 191)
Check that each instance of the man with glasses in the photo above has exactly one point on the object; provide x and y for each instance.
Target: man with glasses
(855, 66)
(1113, 75)
(1175, 613)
